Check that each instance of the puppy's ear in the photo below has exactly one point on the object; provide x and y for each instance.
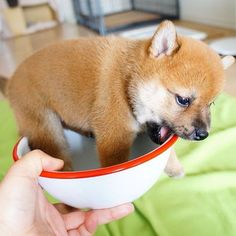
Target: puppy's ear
(227, 61)
(164, 41)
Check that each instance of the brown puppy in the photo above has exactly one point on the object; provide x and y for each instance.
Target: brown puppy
(113, 87)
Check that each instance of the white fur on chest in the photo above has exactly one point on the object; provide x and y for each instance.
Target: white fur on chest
(136, 127)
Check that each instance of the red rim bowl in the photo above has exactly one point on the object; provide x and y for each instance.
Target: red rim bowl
(106, 170)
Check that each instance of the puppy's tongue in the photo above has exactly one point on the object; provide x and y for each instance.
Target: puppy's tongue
(164, 133)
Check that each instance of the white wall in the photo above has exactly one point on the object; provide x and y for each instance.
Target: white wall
(213, 12)
(65, 10)
(107, 6)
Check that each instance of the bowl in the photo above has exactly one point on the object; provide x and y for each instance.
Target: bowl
(96, 188)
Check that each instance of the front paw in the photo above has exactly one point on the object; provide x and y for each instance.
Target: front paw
(175, 173)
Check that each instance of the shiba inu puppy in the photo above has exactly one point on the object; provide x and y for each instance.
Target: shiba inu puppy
(114, 88)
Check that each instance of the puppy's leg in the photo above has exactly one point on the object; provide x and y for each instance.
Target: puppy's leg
(114, 147)
(45, 132)
(173, 167)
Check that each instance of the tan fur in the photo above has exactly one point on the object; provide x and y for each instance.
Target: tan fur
(3, 84)
(90, 84)
(194, 66)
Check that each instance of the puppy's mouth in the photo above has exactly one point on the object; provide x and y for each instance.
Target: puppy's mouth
(158, 133)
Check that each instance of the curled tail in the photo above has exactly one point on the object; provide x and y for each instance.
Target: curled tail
(3, 84)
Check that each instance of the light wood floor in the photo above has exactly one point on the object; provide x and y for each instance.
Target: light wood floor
(124, 18)
(14, 51)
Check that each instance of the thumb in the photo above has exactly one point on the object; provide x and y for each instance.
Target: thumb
(33, 163)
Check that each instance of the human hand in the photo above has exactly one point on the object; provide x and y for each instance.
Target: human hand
(26, 211)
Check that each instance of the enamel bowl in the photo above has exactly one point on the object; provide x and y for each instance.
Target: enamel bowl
(95, 188)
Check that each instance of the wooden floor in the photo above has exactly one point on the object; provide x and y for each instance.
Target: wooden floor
(14, 51)
(119, 19)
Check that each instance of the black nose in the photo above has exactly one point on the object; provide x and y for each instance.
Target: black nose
(200, 134)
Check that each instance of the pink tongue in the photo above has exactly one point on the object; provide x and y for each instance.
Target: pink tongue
(164, 131)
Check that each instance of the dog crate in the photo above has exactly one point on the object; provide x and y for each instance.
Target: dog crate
(108, 16)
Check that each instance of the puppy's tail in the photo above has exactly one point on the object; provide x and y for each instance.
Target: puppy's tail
(3, 84)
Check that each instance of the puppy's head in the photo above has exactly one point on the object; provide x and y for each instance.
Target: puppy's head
(177, 81)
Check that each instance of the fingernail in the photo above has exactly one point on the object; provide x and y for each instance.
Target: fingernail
(128, 208)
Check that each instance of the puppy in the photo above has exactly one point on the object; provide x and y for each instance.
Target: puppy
(114, 88)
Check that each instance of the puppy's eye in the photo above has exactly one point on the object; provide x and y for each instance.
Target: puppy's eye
(183, 102)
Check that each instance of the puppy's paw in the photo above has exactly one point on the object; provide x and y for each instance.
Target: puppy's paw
(179, 175)
(173, 167)
(176, 173)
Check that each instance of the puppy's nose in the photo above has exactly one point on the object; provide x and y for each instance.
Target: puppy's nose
(200, 134)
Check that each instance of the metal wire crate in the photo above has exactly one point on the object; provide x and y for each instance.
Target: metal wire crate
(106, 16)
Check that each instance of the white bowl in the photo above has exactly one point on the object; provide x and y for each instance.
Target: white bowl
(95, 188)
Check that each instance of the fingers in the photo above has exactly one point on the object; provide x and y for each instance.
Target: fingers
(74, 233)
(73, 220)
(87, 222)
(99, 217)
(64, 209)
(33, 163)
(105, 216)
